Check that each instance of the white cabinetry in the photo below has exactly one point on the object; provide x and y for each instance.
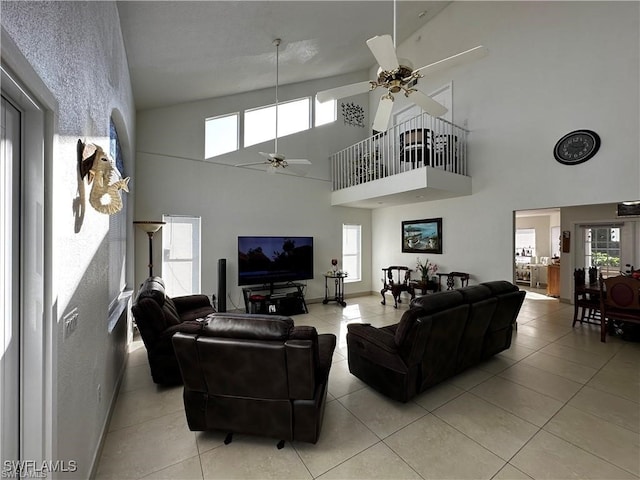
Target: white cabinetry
(533, 275)
(538, 275)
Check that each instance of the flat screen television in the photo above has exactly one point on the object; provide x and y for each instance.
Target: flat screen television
(268, 260)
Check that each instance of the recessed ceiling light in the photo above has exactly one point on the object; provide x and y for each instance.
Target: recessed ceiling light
(422, 14)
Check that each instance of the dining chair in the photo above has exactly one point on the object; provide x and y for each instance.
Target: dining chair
(585, 300)
(415, 146)
(619, 301)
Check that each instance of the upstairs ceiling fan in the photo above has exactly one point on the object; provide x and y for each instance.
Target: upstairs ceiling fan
(396, 75)
(276, 161)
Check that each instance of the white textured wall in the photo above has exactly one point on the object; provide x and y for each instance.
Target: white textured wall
(553, 67)
(77, 50)
(172, 178)
(542, 225)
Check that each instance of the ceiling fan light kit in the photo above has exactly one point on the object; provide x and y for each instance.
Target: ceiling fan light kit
(396, 75)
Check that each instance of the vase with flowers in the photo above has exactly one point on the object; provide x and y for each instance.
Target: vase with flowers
(426, 269)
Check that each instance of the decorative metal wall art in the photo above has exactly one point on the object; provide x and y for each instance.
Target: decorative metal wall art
(353, 114)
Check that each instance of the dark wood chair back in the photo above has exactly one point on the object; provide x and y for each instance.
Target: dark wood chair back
(622, 292)
(619, 301)
(402, 283)
(463, 276)
(586, 304)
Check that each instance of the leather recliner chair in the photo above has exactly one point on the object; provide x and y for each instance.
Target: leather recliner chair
(257, 375)
(158, 317)
(441, 335)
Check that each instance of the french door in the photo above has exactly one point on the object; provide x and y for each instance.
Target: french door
(10, 333)
(609, 247)
(25, 336)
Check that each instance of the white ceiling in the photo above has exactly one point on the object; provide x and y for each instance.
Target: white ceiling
(180, 51)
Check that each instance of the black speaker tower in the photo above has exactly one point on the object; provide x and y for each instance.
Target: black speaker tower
(222, 285)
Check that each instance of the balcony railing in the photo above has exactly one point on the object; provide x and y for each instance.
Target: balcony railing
(422, 141)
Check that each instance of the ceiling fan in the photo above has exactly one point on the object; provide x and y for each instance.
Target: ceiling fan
(276, 161)
(396, 75)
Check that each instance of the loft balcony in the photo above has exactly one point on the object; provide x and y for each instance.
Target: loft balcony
(421, 159)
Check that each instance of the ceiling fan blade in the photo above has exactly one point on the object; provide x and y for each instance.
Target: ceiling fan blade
(344, 91)
(454, 60)
(267, 155)
(298, 161)
(252, 164)
(299, 169)
(382, 48)
(383, 114)
(427, 103)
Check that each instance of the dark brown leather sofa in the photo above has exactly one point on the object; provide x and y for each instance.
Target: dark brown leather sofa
(158, 317)
(440, 335)
(257, 375)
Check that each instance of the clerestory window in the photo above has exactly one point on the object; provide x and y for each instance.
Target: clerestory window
(221, 134)
(325, 112)
(260, 123)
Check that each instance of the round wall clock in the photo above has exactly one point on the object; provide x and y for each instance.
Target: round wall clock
(577, 147)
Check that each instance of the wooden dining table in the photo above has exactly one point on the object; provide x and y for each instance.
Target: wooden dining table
(591, 289)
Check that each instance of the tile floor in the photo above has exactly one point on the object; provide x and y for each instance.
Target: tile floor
(558, 404)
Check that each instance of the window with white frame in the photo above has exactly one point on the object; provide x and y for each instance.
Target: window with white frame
(221, 135)
(117, 228)
(352, 252)
(525, 244)
(260, 123)
(181, 254)
(325, 112)
(602, 248)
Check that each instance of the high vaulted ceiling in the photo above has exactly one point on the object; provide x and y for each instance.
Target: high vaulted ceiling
(180, 51)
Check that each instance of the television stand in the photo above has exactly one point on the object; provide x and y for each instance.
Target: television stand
(275, 299)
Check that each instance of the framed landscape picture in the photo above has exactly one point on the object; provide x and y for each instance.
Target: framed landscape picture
(422, 236)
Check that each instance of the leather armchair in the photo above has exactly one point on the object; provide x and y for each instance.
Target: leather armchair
(257, 375)
(439, 336)
(158, 317)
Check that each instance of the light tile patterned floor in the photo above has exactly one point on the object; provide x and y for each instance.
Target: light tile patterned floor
(559, 404)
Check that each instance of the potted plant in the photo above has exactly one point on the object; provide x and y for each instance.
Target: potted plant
(426, 269)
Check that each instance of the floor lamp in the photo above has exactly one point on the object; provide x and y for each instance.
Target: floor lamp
(150, 227)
